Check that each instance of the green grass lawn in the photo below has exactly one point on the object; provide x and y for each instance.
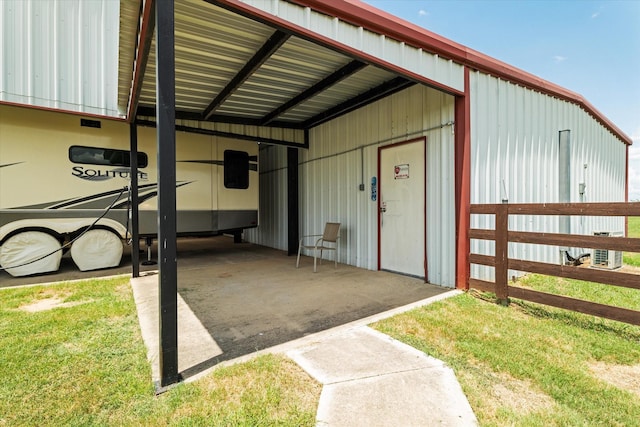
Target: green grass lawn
(588, 291)
(530, 365)
(633, 258)
(84, 364)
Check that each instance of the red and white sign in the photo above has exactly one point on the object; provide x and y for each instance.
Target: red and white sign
(401, 171)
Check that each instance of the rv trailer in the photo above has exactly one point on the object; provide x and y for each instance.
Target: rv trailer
(64, 186)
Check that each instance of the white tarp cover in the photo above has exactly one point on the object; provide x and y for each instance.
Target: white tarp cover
(27, 246)
(97, 249)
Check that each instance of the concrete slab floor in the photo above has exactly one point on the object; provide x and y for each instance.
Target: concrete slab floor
(247, 298)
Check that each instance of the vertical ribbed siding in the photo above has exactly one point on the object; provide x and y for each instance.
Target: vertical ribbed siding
(60, 54)
(515, 143)
(272, 230)
(332, 170)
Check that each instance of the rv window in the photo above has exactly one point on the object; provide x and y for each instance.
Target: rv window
(236, 169)
(104, 156)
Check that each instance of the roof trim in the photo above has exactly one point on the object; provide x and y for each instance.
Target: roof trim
(58, 110)
(146, 26)
(371, 18)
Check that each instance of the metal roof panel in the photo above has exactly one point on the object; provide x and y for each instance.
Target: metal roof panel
(360, 82)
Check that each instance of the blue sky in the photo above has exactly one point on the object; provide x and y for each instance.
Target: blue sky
(589, 47)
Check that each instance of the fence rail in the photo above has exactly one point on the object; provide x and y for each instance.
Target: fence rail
(501, 262)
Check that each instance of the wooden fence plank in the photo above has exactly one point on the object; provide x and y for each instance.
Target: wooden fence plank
(482, 285)
(502, 263)
(607, 277)
(582, 209)
(576, 240)
(483, 209)
(482, 259)
(482, 234)
(586, 307)
(502, 252)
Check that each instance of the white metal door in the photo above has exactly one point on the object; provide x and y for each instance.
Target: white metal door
(402, 209)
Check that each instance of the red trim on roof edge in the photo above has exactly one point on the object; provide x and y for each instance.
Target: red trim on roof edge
(138, 73)
(371, 18)
(58, 110)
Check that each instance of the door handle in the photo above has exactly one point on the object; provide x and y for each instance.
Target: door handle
(383, 209)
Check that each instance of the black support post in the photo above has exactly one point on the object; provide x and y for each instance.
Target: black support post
(167, 253)
(292, 200)
(133, 188)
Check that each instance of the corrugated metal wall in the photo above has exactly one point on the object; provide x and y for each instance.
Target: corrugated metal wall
(343, 154)
(60, 54)
(272, 214)
(515, 156)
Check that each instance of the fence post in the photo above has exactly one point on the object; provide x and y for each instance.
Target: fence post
(502, 254)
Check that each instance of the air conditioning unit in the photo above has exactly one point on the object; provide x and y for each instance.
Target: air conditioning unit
(604, 258)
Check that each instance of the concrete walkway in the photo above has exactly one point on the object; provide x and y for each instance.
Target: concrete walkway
(369, 379)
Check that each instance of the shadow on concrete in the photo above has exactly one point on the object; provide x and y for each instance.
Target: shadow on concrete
(243, 298)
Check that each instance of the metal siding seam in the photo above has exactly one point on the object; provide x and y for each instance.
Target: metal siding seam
(2, 50)
(79, 53)
(31, 51)
(53, 69)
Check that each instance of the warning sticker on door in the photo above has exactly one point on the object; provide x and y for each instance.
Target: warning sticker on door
(401, 171)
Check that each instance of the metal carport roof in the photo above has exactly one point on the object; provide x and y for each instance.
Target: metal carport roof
(295, 63)
(234, 67)
(231, 69)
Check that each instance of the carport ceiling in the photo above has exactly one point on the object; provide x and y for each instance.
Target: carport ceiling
(234, 69)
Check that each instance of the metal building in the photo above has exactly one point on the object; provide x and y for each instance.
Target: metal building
(363, 118)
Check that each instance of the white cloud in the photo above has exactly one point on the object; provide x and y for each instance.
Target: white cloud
(559, 58)
(423, 12)
(597, 13)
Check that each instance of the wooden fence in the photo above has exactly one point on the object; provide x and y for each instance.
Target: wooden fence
(502, 263)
